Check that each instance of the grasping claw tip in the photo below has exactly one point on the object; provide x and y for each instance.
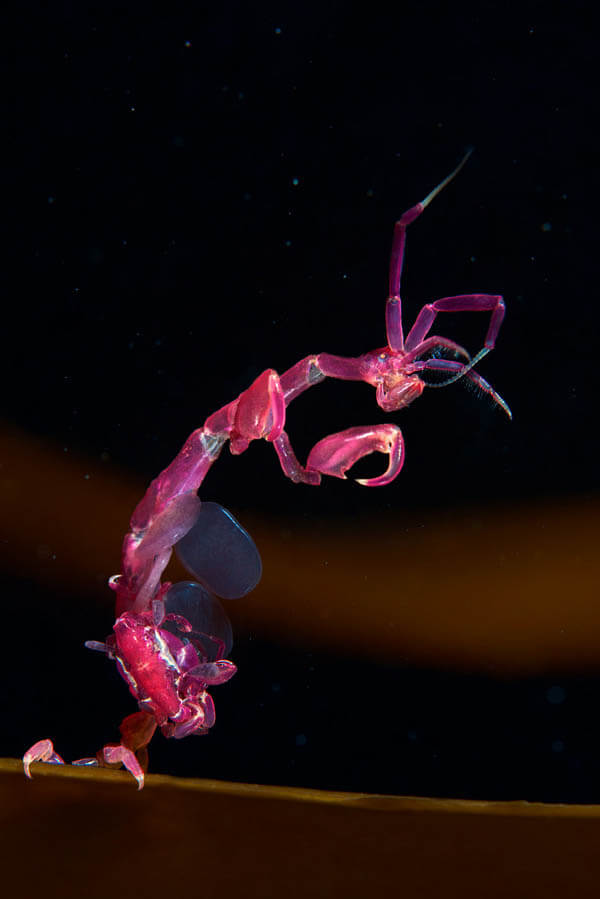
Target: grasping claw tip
(121, 755)
(42, 751)
(381, 481)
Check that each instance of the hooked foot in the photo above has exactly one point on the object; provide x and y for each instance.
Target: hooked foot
(42, 751)
(136, 732)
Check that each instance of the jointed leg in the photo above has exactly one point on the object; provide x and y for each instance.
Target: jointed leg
(290, 465)
(431, 343)
(42, 751)
(476, 302)
(314, 369)
(335, 454)
(306, 373)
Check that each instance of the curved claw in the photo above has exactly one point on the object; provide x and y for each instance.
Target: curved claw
(120, 755)
(42, 751)
(335, 454)
(136, 732)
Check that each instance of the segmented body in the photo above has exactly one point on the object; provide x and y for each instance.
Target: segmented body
(168, 672)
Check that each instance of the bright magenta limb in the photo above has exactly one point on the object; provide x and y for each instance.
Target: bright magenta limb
(433, 343)
(136, 732)
(290, 465)
(314, 369)
(120, 755)
(335, 454)
(42, 751)
(477, 302)
(300, 377)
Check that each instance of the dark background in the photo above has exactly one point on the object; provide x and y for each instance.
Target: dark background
(198, 195)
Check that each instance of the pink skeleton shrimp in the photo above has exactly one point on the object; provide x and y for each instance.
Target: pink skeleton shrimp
(170, 641)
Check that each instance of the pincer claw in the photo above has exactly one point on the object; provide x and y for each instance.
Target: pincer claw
(42, 751)
(335, 454)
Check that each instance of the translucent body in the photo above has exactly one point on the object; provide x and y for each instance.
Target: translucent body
(220, 553)
(158, 655)
(211, 627)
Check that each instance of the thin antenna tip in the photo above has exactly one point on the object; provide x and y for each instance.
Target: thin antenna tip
(436, 190)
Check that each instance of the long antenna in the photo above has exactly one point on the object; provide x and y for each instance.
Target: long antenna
(446, 180)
